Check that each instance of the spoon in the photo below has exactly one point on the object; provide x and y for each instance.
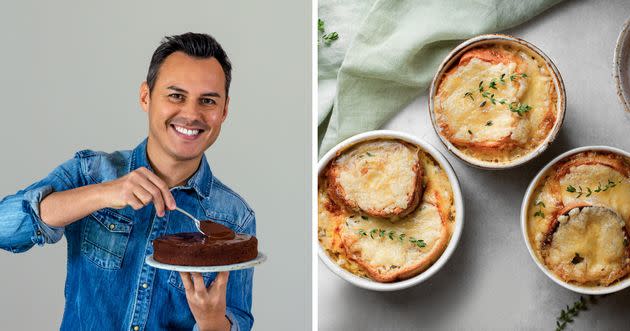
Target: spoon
(197, 222)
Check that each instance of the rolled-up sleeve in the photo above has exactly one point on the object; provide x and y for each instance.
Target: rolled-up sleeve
(21, 226)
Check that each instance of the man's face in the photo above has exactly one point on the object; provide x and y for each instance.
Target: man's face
(187, 106)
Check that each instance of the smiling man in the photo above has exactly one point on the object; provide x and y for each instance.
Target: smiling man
(110, 206)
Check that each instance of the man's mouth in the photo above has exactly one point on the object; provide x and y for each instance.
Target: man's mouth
(187, 133)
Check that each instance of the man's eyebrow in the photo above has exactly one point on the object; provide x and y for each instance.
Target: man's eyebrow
(181, 90)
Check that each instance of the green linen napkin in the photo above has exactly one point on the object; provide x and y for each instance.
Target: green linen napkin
(388, 51)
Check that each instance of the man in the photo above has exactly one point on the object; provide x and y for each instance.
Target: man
(111, 206)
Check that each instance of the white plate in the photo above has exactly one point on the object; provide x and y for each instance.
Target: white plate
(621, 65)
(217, 268)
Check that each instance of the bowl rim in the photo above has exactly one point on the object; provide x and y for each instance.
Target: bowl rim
(560, 106)
(622, 39)
(457, 199)
(523, 220)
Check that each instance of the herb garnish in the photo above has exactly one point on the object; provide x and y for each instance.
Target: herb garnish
(489, 123)
(589, 192)
(539, 213)
(369, 154)
(568, 314)
(493, 84)
(481, 86)
(483, 103)
(382, 233)
(469, 94)
(519, 108)
(327, 38)
(540, 203)
(469, 132)
(577, 259)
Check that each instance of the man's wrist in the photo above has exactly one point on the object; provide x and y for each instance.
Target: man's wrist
(223, 324)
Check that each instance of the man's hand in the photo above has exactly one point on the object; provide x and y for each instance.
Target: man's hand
(139, 188)
(207, 304)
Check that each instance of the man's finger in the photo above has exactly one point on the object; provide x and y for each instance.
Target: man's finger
(200, 286)
(188, 284)
(156, 194)
(222, 279)
(169, 201)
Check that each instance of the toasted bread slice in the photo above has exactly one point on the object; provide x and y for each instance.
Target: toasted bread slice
(593, 178)
(394, 251)
(476, 121)
(588, 245)
(380, 178)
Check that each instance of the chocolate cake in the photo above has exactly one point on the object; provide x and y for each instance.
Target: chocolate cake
(217, 245)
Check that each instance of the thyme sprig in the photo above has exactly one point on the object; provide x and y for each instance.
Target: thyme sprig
(377, 233)
(580, 191)
(519, 108)
(326, 38)
(568, 314)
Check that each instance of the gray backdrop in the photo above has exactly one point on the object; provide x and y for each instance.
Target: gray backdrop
(69, 78)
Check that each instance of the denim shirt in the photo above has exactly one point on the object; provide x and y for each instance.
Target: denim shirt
(108, 284)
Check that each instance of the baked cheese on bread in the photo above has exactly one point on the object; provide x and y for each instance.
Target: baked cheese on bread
(497, 104)
(579, 182)
(588, 245)
(381, 178)
(387, 249)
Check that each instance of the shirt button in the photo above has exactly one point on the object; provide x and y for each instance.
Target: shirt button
(39, 233)
(112, 226)
(136, 328)
(145, 285)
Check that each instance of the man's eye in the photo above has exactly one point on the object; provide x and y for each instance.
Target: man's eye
(207, 101)
(176, 96)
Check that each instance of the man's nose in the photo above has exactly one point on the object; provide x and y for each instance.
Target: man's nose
(191, 109)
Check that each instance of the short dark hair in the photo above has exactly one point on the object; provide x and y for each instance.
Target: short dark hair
(199, 45)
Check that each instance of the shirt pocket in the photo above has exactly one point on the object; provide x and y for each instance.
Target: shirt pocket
(175, 280)
(105, 238)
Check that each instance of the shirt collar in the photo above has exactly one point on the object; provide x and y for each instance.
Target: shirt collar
(201, 181)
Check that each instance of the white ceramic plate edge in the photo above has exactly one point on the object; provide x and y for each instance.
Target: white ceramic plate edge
(230, 267)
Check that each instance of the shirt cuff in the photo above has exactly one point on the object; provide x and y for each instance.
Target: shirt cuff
(233, 321)
(42, 232)
(230, 317)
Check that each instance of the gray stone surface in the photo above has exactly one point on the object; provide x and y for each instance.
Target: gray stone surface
(491, 282)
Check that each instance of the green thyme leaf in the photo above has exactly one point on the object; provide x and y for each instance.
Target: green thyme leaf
(369, 154)
(539, 213)
(570, 189)
(469, 94)
(493, 84)
(364, 217)
(320, 25)
(568, 314)
(540, 203)
(489, 123)
(482, 103)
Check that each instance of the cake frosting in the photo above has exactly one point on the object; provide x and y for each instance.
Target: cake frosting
(217, 245)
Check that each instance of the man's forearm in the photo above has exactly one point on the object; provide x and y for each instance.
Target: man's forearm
(62, 208)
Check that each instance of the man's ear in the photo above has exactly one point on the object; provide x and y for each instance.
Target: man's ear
(145, 97)
(225, 109)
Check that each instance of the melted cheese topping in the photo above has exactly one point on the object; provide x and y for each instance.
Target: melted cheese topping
(588, 182)
(588, 246)
(379, 175)
(591, 177)
(386, 246)
(472, 104)
(340, 237)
